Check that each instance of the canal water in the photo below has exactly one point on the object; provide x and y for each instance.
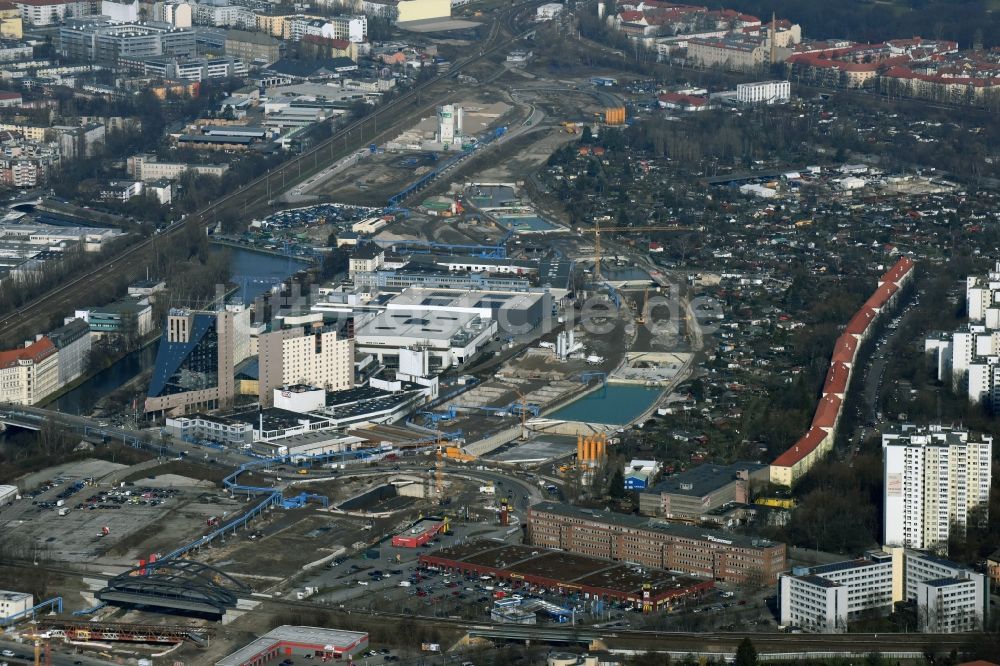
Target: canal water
(82, 399)
(616, 404)
(254, 272)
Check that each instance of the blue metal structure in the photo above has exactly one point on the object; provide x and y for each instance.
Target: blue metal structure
(55, 604)
(613, 295)
(587, 377)
(89, 611)
(302, 499)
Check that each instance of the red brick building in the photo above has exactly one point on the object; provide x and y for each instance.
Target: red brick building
(711, 553)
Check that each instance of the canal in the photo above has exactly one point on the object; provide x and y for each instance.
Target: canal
(254, 272)
(616, 404)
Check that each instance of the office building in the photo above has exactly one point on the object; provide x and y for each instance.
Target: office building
(203, 427)
(624, 537)
(73, 342)
(825, 599)
(315, 356)
(129, 317)
(252, 48)
(194, 364)
(763, 92)
(99, 40)
(30, 373)
(147, 168)
(691, 494)
(937, 478)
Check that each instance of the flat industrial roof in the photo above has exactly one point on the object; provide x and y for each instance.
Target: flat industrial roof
(424, 325)
(316, 638)
(565, 569)
(429, 298)
(703, 479)
(638, 522)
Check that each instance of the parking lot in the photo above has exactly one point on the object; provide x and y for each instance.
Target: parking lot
(118, 523)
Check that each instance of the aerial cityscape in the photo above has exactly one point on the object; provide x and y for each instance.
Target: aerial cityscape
(489, 332)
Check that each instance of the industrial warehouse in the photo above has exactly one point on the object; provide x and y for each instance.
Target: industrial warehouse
(566, 573)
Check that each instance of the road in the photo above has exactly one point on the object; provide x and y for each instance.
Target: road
(35, 315)
(58, 656)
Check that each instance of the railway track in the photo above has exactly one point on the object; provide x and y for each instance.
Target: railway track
(636, 639)
(255, 192)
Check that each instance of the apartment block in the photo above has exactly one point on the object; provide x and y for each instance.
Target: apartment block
(50, 12)
(970, 357)
(937, 478)
(30, 373)
(825, 599)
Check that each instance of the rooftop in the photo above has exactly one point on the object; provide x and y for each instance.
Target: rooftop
(703, 479)
(638, 522)
(317, 638)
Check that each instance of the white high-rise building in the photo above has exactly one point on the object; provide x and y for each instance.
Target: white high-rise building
(934, 478)
(970, 357)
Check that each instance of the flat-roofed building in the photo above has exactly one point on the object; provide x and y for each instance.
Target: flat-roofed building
(714, 554)
(937, 479)
(949, 597)
(693, 493)
(316, 356)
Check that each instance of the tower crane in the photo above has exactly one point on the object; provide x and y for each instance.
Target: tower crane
(641, 316)
(524, 413)
(598, 229)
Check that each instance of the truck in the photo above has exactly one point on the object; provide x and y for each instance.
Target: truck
(63, 512)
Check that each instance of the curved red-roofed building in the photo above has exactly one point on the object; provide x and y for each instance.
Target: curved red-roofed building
(837, 379)
(796, 461)
(844, 349)
(818, 440)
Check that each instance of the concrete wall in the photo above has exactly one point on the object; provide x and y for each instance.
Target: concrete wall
(493, 442)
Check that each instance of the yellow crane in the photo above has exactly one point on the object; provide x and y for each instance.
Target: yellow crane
(621, 230)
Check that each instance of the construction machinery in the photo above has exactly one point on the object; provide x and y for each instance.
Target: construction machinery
(621, 230)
